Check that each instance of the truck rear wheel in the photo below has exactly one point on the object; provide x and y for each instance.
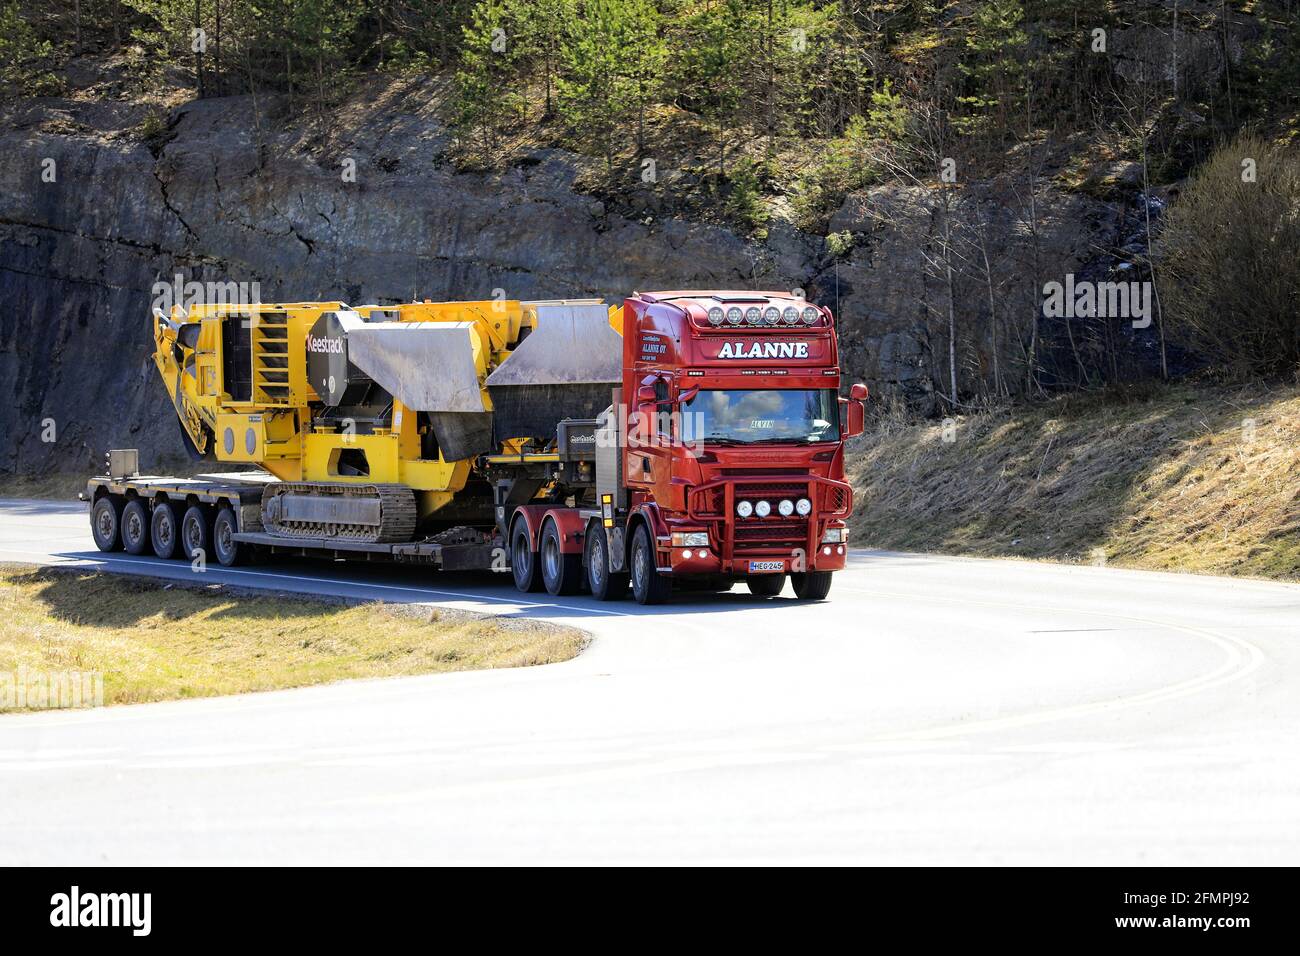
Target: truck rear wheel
(765, 585)
(106, 523)
(605, 585)
(164, 530)
(523, 559)
(811, 585)
(648, 585)
(229, 552)
(561, 573)
(135, 527)
(196, 533)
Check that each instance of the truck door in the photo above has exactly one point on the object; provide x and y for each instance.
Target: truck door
(649, 464)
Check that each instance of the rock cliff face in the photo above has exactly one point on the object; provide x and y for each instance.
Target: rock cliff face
(229, 191)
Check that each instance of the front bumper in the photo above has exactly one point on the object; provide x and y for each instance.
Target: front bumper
(827, 557)
(773, 544)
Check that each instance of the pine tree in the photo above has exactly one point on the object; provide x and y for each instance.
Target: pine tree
(484, 93)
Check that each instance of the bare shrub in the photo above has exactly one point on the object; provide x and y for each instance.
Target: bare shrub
(1231, 278)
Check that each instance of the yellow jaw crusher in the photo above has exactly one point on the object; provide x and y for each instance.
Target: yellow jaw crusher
(373, 418)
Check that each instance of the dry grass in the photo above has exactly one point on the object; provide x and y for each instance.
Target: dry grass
(156, 641)
(1179, 481)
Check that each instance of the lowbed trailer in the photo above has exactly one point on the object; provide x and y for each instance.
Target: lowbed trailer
(694, 438)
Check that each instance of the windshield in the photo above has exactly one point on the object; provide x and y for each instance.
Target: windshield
(750, 416)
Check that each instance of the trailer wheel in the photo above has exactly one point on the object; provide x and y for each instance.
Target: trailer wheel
(106, 523)
(605, 585)
(135, 527)
(523, 559)
(196, 533)
(561, 573)
(229, 552)
(648, 585)
(765, 585)
(164, 530)
(811, 585)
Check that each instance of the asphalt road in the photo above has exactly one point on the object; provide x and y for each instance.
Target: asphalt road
(933, 710)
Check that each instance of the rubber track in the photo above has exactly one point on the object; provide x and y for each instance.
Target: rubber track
(397, 512)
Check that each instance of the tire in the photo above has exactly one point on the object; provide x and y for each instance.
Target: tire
(561, 573)
(230, 553)
(106, 523)
(604, 584)
(523, 559)
(648, 585)
(135, 527)
(811, 585)
(165, 531)
(196, 533)
(765, 585)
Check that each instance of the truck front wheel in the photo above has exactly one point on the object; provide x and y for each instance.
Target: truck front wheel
(648, 585)
(605, 585)
(765, 585)
(811, 585)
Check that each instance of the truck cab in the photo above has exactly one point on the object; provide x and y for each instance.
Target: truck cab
(731, 444)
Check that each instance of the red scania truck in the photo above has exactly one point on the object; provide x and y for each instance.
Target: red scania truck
(694, 438)
(722, 458)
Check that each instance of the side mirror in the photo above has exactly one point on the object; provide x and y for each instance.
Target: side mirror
(688, 395)
(852, 413)
(646, 394)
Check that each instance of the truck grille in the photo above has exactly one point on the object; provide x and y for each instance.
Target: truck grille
(770, 537)
(773, 492)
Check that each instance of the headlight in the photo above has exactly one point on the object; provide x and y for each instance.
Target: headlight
(771, 315)
(690, 539)
(753, 316)
(733, 315)
(745, 509)
(763, 509)
(790, 315)
(715, 316)
(835, 536)
(803, 506)
(811, 315)
(786, 507)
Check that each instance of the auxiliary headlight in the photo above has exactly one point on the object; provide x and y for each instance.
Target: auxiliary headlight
(803, 506)
(763, 509)
(811, 315)
(790, 316)
(771, 315)
(835, 536)
(690, 539)
(745, 508)
(733, 315)
(753, 316)
(715, 316)
(786, 507)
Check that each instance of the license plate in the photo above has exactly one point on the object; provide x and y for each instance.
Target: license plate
(757, 566)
